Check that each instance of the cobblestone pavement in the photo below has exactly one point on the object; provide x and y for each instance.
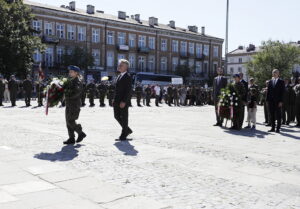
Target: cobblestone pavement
(176, 156)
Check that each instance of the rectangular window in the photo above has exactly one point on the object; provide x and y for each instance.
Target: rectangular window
(131, 61)
(111, 37)
(141, 63)
(49, 57)
(60, 30)
(95, 35)
(191, 48)
(121, 56)
(198, 67)
(37, 56)
(174, 46)
(151, 63)
(49, 28)
(240, 60)
(183, 47)
(206, 50)
(152, 43)
(164, 45)
(142, 41)
(121, 38)
(198, 50)
(37, 25)
(59, 54)
(216, 51)
(132, 40)
(96, 56)
(71, 32)
(191, 63)
(81, 33)
(110, 59)
(174, 63)
(205, 67)
(163, 64)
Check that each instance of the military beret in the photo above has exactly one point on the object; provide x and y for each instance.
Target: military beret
(74, 68)
(236, 75)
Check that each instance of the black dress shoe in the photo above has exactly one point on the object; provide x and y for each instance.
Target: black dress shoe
(70, 141)
(277, 131)
(217, 124)
(81, 136)
(271, 130)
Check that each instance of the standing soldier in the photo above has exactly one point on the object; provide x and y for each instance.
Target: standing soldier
(148, 93)
(293, 100)
(138, 92)
(39, 92)
(83, 94)
(176, 96)
(286, 107)
(102, 89)
(193, 96)
(13, 89)
(264, 92)
(27, 87)
(111, 93)
(2, 88)
(297, 102)
(91, 89)
(182, 95)
(157, 91)
(170, 95)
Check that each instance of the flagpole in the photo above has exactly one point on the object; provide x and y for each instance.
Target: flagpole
(226, 39)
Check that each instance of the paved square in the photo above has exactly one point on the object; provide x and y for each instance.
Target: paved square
(176, 157)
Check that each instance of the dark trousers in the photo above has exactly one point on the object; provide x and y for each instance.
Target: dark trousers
(218, 118)
(157, 100)
(275, 114)
(27, 98)
(1, 98)
(170, 100)
(297, 109)
(266, 113)
(72, 114)
(286, 114)
(91, 100)
(138, 99)
(148, 97)
(121, 115)
(83, 99)
(101, 99)
(13, 98)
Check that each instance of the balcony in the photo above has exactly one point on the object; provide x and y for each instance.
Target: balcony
(123, 47)
(144, 50)
(50, 39)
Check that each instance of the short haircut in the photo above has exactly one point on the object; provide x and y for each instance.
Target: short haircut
(275, 71)
(124, 61)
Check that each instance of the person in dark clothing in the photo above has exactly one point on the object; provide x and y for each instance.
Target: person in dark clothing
(102, 90)
(91, 89)
(73, 92)
(297, 102)
(27, 87)
(170, 95)
(138, 92)
(111, 93)
(287, 103)
(121, 98)
(148, 93)
(2, 89)
(40, 92)
(265, 104)
(83, 94)
(244, 99)
(275, 100)
(13, 90)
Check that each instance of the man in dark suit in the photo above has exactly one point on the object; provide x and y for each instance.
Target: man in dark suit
(122, 97)
(275, 95)
(244, 99)
(220, 82)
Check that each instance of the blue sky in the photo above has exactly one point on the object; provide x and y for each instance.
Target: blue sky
(251, 21)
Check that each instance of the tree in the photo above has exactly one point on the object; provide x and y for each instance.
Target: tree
(184, 71)
(80, 58)
(273, 55)
(17, 42)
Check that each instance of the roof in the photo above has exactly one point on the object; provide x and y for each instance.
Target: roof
(115, 18)
(244, 50)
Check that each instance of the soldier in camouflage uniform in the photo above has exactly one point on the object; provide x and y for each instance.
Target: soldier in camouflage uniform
(13, 90)
(111, 93)
(2, 88)
(83, 94)
(91, 89)
(73, 91)
(102, 90)
(148, 93)
(40, 93)
(287, 103)
(264, 92)
(27, 87)
(297, 102)
(138, 92)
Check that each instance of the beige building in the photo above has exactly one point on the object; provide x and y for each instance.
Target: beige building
(149, 45)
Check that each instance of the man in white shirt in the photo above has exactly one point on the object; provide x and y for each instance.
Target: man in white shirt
(157, 90)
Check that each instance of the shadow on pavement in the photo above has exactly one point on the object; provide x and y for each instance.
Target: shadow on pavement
(126, 148)
(67, 153)
(247, 133)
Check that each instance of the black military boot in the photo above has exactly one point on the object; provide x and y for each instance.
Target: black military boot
(70, 141)
(81, 136)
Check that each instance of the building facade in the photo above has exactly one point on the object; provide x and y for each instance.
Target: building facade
(148, 45)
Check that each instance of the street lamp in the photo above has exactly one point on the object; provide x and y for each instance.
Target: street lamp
(226, 39)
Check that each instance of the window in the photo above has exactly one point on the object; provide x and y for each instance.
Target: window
(49, 28)
(191, 63)
(71, 32)
(206, 50)
(151, 63)
(163, 64)
(152, 42)
(239, 69)
(110, 59)
(164, 45)
(183, 47)
(81, 33)
(215, 66)
(240, 60)
(231, 70)
(192, 48)
(60, 30)
(122, 38)
(110, 37)
(121, 56)
(198, 50)
(132, 40)
(174, 46)
(216, 51)
(131, 61)
(141, 63)
(59, 54)
(142, 41)
(174, 63)
(96, 56)
(37, 56)
(49, 57)
(198, 67)
(95, 35)
(205, 67)
(37, 25)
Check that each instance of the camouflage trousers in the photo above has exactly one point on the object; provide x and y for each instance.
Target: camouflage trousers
(72, 114)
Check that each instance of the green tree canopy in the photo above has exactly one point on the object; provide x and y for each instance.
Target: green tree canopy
(273, 55)
(17, 42)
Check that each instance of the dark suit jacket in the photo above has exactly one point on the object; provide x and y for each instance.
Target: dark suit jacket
(218, 86)
(123, 89)
(275, 93)
(245, 83)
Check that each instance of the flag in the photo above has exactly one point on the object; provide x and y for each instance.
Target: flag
(41, 73)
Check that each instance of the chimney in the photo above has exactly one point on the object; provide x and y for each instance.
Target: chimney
(155, 21)
(122, 15)
(193, 28)
(172, 24)
(72, 5)
(152, 21)
(203, 30)
(137, 17)
(90, 9)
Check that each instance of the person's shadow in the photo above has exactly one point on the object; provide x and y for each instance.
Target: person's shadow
(67, 153)
(126, 148)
